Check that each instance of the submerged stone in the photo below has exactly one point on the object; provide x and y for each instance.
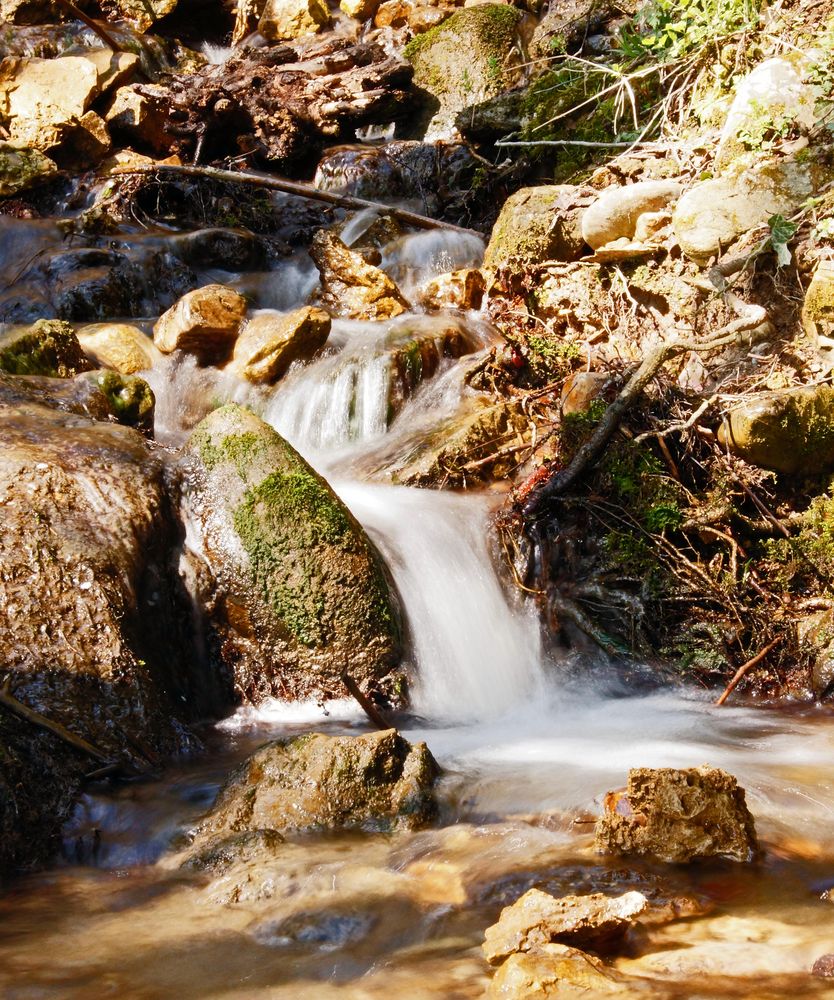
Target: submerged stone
(554, 972)
(376, 782)
(300, 593)
(678, 816)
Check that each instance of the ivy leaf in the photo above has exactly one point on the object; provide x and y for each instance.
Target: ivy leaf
(781, 233)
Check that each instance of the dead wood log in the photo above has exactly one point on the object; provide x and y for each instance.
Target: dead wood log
(301, 190)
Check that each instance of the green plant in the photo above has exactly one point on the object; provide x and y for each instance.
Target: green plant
(781, 233)
(674, 28)
(765, 129)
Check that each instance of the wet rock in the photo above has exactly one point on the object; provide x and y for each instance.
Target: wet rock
(238, 849)
(141, 14)
(284, 20)
(21, 169)
(119, 346)
(474, 446)
(462, 289)
(228, 249)
(580, 391)
(270, 342)
(823, 968)
(362, 10)
(789, 431)
(204, 322)
(464, 61)
(377, 782)
(436, 175)
(713, 214)
(539, 224)
(551, 972)
(94, 630)
(616, 212)
(815, 634)
(537, 918)
(328, 931)
(300, 589)
(566, 25)
(818, 311)
(417, 17)
(48, 347)
(130, 399)
(678, 816)
(350, 287)
(774, 95)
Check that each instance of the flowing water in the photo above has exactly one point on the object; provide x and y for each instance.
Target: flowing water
(527, 754)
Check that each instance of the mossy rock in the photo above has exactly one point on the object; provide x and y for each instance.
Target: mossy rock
(48, 347)
(465, 61)
(377, 782)
(538, 224)
(130, 399)
(21, 169)
(302, 593)
(790, 431)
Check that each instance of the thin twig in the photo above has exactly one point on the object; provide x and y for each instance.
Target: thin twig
(744, 668)
(368, 707)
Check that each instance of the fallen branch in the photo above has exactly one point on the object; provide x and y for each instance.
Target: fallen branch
(368, 707)
(752, 318)
(42, 722)
(744, 668)
(300, 190)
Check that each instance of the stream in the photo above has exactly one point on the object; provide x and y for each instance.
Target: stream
(527, 752)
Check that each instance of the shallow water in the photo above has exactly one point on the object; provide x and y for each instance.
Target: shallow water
(527, 754)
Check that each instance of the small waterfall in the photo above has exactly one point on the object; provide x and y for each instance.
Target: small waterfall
(476, 657)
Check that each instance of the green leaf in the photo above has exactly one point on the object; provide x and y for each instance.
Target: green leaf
(781, 233)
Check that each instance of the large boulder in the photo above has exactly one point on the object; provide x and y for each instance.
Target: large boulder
(302, 594)
(270, 342)
(22, 168)
(284, 20)
(539, 224)
(48, 347)
(791, 430)
(678, 816)
(204, 322)
(595, 921)
(467, 59)
(377, 782)
(615, 214)
(713, 214)
(95, 630)
(351, 287)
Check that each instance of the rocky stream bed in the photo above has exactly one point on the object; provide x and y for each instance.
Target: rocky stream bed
(416, 566)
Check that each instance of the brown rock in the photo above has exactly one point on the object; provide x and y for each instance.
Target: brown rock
(462, 289)
(139, 115)
(552, 972)
(678, 816)
(823, 968)
(580, 390)
(350, 286)
(537, 918)
(119, 346)
(204, 322)
(362, 10)
(270, 342)
(376, 782)
(419, 17)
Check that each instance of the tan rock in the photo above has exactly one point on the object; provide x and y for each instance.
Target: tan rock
(40, 99)
(537, 918)
(350, 286)
(270, 342)
(615, 213)
(462, 289)
(553, 971)
(119, 346)
(362, 10)
(283, 20)
(21, 169)
(90, 140)
(790, 431)
(677, 816)
(138, 117)
(114, 69)
(205, 322)
(540, 223)
(580, 390)
(818, 310)
(419, 17)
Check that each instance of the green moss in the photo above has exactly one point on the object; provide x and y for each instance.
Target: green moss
(492, 24)
(48, 347)
(131, 399)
